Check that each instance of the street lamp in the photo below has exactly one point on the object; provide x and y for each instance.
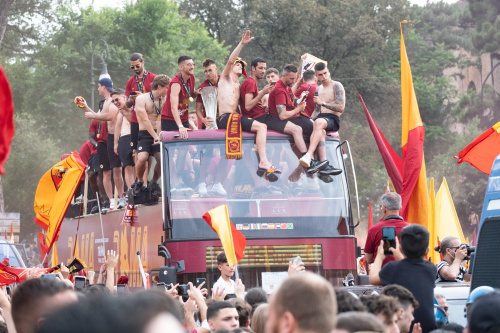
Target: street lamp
(104, 71)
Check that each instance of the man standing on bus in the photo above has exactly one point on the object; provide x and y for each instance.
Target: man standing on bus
(391, 205)
(330, 102)
(229, 94)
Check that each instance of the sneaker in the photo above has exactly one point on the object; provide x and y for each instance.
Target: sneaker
(155, 189)
(137, 188)
(306, 160)
(218, 189)
(329, 170)
(94, 210)
(202, 188)
(105, 206)
(316, 166)
(122, 203)
(112, 204)
(79, 200)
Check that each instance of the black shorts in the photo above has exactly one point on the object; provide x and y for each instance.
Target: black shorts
(125, 151)
(171, 125)
(273, 122)
(146, 143)
(102, 152)
(134, 134)
(332, 121)
(114, 160)
(304, 122)
(246, 123)
(94, 163)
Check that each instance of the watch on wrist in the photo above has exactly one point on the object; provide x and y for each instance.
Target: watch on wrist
(181, 126)
(323, 104)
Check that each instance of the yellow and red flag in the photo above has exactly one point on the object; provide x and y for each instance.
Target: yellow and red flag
(370, 215)
(481, 152)
(7, 128)
(10, 275)
(233, 241)
(54, 193)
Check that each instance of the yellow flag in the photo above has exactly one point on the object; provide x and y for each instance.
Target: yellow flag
(55, 256)
(447, 223)
(433, 227)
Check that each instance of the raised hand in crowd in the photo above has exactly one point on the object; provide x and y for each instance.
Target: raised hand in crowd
(102, 274)
(189, 310)
(295, 266)
(90, 276)
(110, 262)
(6, 309)
(239, 289)
(417, 328)
(218, 295)
(64, 271)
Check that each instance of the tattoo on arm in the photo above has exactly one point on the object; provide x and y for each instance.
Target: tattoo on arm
(339, 92)
(280, 108)
(317, 108)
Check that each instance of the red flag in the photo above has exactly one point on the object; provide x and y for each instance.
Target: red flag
(232, 240)
(393, 163)
(44, 249)
(10, 275)
(481, 152)
(6, 119)
(370, 215)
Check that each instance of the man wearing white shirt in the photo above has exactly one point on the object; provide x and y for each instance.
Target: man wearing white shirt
(224, 283)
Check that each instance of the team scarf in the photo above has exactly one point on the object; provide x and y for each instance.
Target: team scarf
(233, 137)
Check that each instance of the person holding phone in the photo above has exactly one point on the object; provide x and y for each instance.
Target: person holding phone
(391, 205)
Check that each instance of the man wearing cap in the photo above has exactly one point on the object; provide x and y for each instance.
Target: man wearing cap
(175, 112)
(228, 97)
(108, 114)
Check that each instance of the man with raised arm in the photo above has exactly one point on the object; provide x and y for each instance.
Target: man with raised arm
(330, 102)
(175, 112)
(148, 108)
(108, 114)
(228, 96)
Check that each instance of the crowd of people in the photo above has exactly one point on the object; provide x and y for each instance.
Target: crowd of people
(126, 131)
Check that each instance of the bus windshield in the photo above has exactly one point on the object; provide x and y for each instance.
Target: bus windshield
(199, 178)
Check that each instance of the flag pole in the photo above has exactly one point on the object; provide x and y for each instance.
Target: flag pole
(142, 271)
(237, 275)
(100, 217)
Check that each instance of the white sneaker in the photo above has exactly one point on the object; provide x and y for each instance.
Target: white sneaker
(305, 160)
(218, 189)
(111, 204)
(202, 188)
(122, 203)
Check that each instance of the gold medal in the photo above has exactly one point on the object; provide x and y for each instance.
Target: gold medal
(191, 99)
(98, 135)
(128, 122)
(159, 117)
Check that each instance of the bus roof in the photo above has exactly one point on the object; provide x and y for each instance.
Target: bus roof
(220, 133)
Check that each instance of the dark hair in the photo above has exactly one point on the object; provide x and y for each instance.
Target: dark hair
(30, 296)
(309, 75)
(403, 295)
(182, 59)
(272, 70)
(207, 62)
(256, 296)
(117, 91)
(446, 243)
(256, 61)
(414, 240)
(355, 321)
(289, 69)
(319, 66)
(346, 302)
(221, 258)
(136, 56)
(101, 103)
(384, 305)
(454, 327)
(242, 329)
(244, 310)
(96, 289)
(3, 327)
(160, 80)
(213, 309)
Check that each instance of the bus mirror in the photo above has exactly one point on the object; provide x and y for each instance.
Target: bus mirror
(180, 265)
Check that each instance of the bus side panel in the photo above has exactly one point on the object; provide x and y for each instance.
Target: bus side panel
(126, 241)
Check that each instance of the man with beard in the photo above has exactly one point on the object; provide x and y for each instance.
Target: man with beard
(175, 112)
(148, 108)
(272, 75)
(122, 143)
(108, 114)
(331, 103)
(228, 96)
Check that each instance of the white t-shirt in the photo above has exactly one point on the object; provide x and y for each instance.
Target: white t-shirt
(223, 285)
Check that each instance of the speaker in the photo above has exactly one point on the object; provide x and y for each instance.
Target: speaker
(168, 275)
(485, 268)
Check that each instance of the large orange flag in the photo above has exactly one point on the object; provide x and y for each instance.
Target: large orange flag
(481, 152)
(54, 193)
(415, 197)
(232, 240)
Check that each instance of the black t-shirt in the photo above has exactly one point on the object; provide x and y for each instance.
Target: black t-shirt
(418, 276)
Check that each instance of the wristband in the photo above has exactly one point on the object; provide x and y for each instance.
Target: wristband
(181, 126)
(323, 104)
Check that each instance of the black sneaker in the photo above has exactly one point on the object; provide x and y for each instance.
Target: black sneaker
(156, 190)
(329, 170)
(316, 166)
(105, 206)
(94, 210)
(137, 188)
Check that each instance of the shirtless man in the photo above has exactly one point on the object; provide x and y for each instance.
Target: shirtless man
(272, 75)
(229, 94)
(148, 109)
(123, 145)
(331, 103)
(108, 114)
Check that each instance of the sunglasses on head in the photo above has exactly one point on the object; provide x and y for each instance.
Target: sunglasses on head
(135, 66)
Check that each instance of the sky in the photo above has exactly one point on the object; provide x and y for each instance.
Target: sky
(103, 3)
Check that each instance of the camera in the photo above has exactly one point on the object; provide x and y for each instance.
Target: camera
(470, 249)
